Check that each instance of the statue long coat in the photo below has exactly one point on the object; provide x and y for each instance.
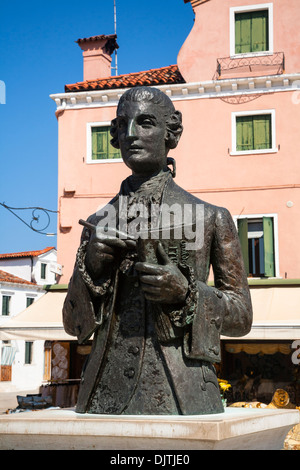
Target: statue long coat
(145, 358)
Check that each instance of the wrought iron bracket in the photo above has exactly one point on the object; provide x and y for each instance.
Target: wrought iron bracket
(38, 215)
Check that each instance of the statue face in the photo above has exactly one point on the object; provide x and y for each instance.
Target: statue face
(142, 137)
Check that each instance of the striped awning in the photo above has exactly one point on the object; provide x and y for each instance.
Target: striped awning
(8, 355)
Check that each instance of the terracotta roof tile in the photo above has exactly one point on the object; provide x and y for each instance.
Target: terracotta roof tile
(195, 3)
(7, 277)
(97, 38)
(26, 254)
(162, 76)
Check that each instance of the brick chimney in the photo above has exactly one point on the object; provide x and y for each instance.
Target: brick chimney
(195, 3)
(97, 52)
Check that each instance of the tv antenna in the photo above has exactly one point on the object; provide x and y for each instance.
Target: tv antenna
(115, 28)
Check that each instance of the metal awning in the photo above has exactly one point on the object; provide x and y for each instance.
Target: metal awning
(42, 320)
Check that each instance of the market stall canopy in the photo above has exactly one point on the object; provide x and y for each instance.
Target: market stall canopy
(258, 348)
(276, 316)
(276, 312)
(42, 320)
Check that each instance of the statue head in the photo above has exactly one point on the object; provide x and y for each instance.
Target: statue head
(147, 126)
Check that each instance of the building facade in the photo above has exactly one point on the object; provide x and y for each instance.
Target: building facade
(39, 266)
(236, 83)
(23, 277)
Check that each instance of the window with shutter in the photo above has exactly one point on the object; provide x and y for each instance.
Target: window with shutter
(251, 31)
(29, 301)
(101, 146)
(6, 304)
(253, 132)
(28, 352)
(43, 270)
(257, 242)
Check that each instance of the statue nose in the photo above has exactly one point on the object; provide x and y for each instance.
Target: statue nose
(131, 129)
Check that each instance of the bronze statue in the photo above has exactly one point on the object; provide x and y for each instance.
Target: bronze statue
(156, 322)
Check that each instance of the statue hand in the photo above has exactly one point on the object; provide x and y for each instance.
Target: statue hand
(164, 282)
(101, 253)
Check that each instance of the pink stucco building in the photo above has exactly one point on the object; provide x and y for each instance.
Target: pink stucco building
(236, 83)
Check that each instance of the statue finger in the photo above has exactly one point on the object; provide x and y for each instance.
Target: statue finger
(147, 288)
(106, 257)
(153, 297)
(163, 255)
(149, 268)
(103, 248)
(112, 241)
(151, 280)
(130, 244)
(100, 232)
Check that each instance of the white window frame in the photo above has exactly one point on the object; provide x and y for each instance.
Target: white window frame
(245, 9)
(234, 115)
(89, 127)
(275, 234)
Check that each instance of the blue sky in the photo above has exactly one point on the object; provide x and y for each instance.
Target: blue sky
(38, 57)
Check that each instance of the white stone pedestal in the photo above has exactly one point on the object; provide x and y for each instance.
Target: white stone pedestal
(63, 429)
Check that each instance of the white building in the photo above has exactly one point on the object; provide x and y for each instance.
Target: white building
(36, 266)
(23, 277)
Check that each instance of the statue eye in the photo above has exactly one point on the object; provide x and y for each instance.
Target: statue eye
(146, 121)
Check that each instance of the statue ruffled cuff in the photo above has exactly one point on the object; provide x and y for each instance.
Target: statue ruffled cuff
(96, 288)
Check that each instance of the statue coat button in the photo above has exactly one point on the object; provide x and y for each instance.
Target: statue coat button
(129, 372)
(215, 350)
(134, 350)
(203, 386)
(218, 293)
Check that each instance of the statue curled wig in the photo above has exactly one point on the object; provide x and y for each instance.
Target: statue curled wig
(153, 95)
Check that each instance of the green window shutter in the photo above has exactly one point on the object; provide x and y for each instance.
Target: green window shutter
(101, 146)
(99, 143)
(29, 301)
(6, 305)
(94, 143)
(242, 33)
(244, 133)
(113, 153)
(260, 31)
(251, 32)
(253, 132)
(243, 236)
(28, 352)
(43, 270)
(269, 246)
(262, 132)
